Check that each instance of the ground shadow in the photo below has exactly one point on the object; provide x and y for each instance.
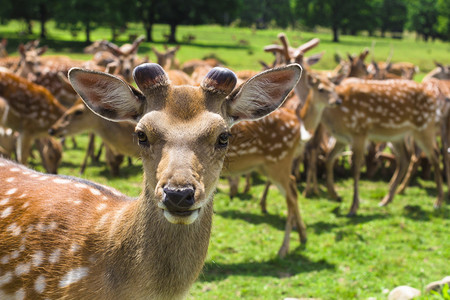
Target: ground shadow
(275, 221)
(292, 264)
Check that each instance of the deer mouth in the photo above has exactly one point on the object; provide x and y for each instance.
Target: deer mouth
(181, 217)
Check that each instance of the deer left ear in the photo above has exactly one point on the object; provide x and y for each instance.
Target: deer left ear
(107, 95)
(262, 94)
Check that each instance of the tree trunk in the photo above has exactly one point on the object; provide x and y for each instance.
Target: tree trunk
(88, 32)
(335, 34)
(43, 18)
(173, 30)
(29, 26)
(148, 31)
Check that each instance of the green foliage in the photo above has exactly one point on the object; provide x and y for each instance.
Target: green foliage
(422, 17)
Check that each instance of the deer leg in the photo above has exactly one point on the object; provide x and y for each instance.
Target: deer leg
(412, 169)
(233, 181)
(294, 216)
(263, 202)
(248, 183)
(401, 155)
(311, 173)
(329, 164)
(89, 151)
(428, 143)
(113, 161)
(357, 160)
(23, 148)
(445, 139)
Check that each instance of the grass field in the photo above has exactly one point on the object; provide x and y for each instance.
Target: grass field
(406, 243)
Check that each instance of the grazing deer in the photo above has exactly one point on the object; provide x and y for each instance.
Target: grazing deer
(27, 108)
(150, 247)
(382, 111)
(117, 136)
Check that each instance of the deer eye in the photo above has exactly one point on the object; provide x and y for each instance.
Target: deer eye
(222, 140)
(78, 112)
(142, 138)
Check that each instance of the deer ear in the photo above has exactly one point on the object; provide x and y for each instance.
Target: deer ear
(262, 94)
(107, 95)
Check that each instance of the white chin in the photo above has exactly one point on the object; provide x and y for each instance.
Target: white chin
(180, 219)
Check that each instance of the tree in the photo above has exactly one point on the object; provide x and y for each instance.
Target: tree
(176, 12)
(443, 25)
(146, 12)
(77, 15)
(328, 13)
(422, 18)
(393, 16)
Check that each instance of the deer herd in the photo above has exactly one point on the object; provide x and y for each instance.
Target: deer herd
(239, 122)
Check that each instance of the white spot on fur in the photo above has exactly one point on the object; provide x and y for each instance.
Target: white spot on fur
(5, 259)
(20, 294)
(6, 212)
(102, 206)
(14, 169)
(37, 258)
(4, 201)
(11, 191)
(6, 278)
(22, 269)
(61, 181)
(40, 284)
(14, 229)
(73, 276)
(95, 192)
(54, 256)
(10, 179)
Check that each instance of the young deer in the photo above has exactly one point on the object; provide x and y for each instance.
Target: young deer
(150, 247)
(383, 111)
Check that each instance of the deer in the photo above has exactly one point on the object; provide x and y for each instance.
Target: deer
(167, 58)
(126, 58)
(383, 111)
(150, 247)
(441, 87)
(440, 72)
(117, 136)
(27, 108)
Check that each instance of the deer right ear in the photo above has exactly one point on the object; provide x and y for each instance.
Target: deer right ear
(107, 95)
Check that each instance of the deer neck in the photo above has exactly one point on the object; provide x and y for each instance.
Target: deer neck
(311, 112)
(165, 268)
(302, 88)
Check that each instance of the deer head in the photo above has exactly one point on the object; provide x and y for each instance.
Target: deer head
(181, 187)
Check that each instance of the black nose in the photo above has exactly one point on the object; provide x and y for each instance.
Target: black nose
(338, 101)
(178, 199)
(51, 131)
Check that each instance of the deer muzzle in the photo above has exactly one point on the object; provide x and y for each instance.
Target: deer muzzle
(178, 205)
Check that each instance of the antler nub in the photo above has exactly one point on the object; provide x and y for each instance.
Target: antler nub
(219, 80)
(150, 76)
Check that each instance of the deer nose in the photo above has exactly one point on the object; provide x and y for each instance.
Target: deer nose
(178, 200)
(51, 131)
(338, 101)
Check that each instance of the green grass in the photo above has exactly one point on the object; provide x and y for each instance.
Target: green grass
(406, 243)
(224, 42)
